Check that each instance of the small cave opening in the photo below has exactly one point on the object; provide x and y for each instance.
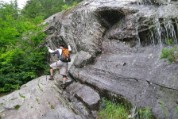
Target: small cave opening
(146, 39)
(109, 17)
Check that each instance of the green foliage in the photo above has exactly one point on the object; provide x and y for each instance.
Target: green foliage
(177, 110)
(169, 42)
(46, 8)
(145, 113)
(22, 57)
(113, 111)
(23, 62)
(67, 6)
(17, 107)
(13, 26)
(170, 54)
(8, 32)
(164, 109)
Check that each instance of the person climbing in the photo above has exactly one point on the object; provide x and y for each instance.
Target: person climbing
(62, 63)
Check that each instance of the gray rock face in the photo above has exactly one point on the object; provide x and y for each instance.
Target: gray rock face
(85, 94)
(131, 78)
(38, 99)
(129, 36)
(82, 59)
(117, 46)
(61, 113)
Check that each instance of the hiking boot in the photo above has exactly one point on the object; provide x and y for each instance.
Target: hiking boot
(51, 78)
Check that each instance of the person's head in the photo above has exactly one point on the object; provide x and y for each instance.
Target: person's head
(61, 46)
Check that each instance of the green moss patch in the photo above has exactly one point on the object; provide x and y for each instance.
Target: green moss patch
(17, 107)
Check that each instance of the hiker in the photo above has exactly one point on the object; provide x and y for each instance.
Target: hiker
(62, 63)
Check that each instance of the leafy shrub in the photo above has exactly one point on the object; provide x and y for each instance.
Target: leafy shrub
(169, 42)
(22, 61)
(67, 6)
(170, 54)
(22, 57)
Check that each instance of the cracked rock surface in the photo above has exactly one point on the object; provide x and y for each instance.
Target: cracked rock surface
(118, 45)
(38, 99)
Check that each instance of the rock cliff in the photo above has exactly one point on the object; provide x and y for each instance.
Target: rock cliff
(117, 46)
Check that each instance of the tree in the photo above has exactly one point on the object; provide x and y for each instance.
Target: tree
(45, 8)
(20, 58)
(8, 31)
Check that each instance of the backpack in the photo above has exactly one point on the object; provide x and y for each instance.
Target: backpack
(65, 56)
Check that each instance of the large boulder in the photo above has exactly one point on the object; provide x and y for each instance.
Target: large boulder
(117, 45)
(86, 94)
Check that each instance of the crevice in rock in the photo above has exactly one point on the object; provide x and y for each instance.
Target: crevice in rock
(104, 92)
(109, 93)
(113, 75)
(77, 104)
(162, 86)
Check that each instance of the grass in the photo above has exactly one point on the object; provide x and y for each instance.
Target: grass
(113, 111)
(164, 109)
(145, 113)
(170, 53)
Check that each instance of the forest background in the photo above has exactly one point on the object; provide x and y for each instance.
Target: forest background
(22, 55)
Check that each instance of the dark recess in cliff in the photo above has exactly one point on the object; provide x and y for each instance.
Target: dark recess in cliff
(109, 17)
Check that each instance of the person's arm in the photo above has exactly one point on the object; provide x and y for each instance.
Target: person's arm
(52, 51)
(69, 48)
